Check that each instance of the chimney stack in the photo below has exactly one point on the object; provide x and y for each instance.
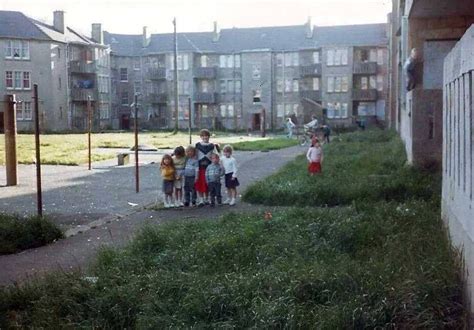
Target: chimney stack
(145, 37)
(97, 33)
(58, 21)
(309, 28)
(215, 33)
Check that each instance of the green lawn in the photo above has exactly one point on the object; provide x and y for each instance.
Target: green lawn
(71, 149)
(374, 262)
(265, 145)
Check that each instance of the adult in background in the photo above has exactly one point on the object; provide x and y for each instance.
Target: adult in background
(289, 126)
(410, 68)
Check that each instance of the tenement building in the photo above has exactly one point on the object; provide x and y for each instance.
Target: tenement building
(239, 78)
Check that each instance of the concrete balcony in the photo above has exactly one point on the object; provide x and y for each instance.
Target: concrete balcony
(365, 68)
(311, 95)
(157, 74)
(364, 94)
(310, 70)
(204, 73)
(208, 98)
(158, 98)
(81, 94)
(82, 67)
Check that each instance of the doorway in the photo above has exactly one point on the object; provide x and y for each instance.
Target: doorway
(256, 122)
(2, 129)
(125, 122)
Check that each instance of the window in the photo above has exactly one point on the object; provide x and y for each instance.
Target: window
(183, 87)
(204, 111)
(373, 55)
(204, 59)
(280, 85)
(337, 57)
(27, 113)
(223, 86)
(19, 110)
(230, 61)
(104, 112)
(287, 59)
(17, 50)
(296, 59)
(344, 54)
(373, 82)
(204, 86)
(137, 86)
(237, 61)
(256, 72)
(123, 74)
(222, 61)
(330, 60)
(238, 86)
(295, 85)
(316, 57)
(330, 84)
(230, 86)
(316, 84)
(279, 59)
(136, 64)
(185, 62)
(380, 82)
(280, 110)
(380, 56)
(288, 84)
(17, 82)
(104, 84)
(345, 84)
(364, 83)
(230, 110)
(9, 79)
(223, 110)
(124, 99)
(337, 84)
(288, 108)
(337, 110)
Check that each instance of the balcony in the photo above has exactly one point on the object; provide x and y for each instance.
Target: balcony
(81, 94)
(311, 95)
(158, 98)
(365, 68)
(82, 67)
(205, 98)
(204, 73)
(364, 94)
(157, 74)
(310, 70)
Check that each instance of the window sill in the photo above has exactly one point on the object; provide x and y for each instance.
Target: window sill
(17, 59)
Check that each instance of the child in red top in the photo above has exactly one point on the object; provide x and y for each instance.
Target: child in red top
(315, 157)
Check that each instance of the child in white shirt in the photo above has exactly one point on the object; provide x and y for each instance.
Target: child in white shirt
(230, 169)
(315, 157)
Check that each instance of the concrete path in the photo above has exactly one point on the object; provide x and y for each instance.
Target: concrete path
(98, 203)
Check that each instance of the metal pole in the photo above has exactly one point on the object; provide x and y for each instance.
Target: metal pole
(189, 123)
(38, 154)
(137, 174)
(263, 122)
(176, 94)
(89, 128)
(9, 119)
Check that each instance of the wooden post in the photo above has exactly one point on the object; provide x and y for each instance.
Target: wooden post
(137, 174)
(38, 154)
(189, 121)
(89, 128)
(9, 119)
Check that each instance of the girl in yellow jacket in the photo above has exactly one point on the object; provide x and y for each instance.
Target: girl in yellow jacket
(168, 176)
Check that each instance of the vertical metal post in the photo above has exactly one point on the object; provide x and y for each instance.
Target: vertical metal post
(176, 92)
(263, 122)
(38, 153)
(189, 120)
(9, 119)
(137, 174)
(89, 128)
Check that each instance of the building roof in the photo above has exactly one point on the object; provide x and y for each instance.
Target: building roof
(14, 24)
(278, 38)
(69, 36)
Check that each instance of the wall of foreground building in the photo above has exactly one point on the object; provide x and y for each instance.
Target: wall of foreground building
(458, 152)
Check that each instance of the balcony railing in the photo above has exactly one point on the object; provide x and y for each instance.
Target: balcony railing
(81, 94)
(158, 98)
(365, 68)
(205, 97)
(311, 95)
(82, 67)
(364, 94)
(310, 70)
(157, 73)
(204, 73)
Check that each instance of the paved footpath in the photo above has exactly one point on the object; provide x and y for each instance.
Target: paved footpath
(94, 208)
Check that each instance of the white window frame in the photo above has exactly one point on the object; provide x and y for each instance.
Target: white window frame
(316, 57)
(204, 61)
(223, 111)
(27, 109)
(380, 83)
(316, 84)
(222, 61)
(237, 60)
(330, 57)
(122, 74)
(9, 77)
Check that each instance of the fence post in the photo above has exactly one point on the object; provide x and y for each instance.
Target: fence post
(38, 154)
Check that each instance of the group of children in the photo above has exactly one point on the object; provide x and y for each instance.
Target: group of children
(198, 171)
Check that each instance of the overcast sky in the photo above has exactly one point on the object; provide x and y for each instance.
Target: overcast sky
(129, 16)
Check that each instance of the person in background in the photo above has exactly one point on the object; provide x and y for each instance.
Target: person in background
(315, 157)
(230, 170)
(167, 174)
(326, 133)
(214, 172)
(289, 126)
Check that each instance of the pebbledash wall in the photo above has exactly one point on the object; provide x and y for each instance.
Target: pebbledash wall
(458, 151)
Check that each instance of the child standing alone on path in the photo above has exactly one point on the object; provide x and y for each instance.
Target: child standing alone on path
(315, 157)
(179, 161)
(213, 178)
(191, 169)
(167, 174)
(230, 169)
(204, 151)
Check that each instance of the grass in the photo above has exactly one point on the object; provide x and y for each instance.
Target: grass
(265, 145)
(71, 149)
(370, 262)
(362, 166)
(17, 234)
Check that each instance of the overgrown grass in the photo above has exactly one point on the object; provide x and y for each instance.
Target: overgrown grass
(265, 145)
(383, 265)
(71, 149)
(18, 233)
(361, 166)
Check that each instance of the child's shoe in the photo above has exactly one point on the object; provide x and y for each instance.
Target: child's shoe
(232, 202)
(227, 201)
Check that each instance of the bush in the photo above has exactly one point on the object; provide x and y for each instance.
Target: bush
(18, 233)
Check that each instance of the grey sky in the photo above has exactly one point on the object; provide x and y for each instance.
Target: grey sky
(129, 16)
